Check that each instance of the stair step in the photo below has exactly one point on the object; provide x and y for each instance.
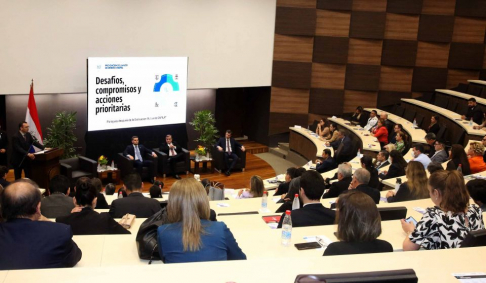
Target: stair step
(278, 152)
(284, 146)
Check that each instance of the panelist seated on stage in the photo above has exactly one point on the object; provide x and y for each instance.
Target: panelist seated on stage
(83, 219)
(228, 145)
(312, 213)
(58, 203)
(474, 112)
(342, 147)
(360, 181)
(445, 225)
(29, 243)
(174, 151)
(359, 225)
(344, 176)
(137, 153)
(135, 202)
(22, 141)
(326, 163)
(190, 235)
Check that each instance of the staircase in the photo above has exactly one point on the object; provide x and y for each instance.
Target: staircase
(284, 152)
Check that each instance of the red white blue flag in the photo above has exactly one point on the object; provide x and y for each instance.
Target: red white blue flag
(32, 119)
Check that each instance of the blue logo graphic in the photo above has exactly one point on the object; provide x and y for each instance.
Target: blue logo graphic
(166, 79)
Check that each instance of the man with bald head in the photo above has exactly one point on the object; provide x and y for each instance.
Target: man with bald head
(29, 243)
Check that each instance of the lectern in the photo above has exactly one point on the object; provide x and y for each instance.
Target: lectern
(45, 166)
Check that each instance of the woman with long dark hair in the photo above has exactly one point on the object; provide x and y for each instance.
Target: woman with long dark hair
(367, 163)
(458, 156)
(397, 166)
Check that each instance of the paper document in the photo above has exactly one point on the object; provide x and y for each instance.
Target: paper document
(223, 204)
(321, 239)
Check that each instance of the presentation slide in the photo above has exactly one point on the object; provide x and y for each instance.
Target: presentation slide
(136, 92)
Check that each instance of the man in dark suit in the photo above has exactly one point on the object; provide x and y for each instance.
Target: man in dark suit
(327, 163)
(21, 157)
(3, 176)
(283, 188)
(3, 147)
(430, 139)
(474, 112)
(137, 152)
(58, 203)
(342, 147)
(382, 159)
(312, 213)
(360, 182)
(174, 151)
(135, 203)
(27, 242)
(344, 176)
(228, 145)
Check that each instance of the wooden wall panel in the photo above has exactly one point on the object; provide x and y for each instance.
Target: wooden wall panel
(280, 122)
(399, 53)
(297, 3)
(295, 21)
(455, 77)
(401, 26)
(291, 74)
(439, 7)
(326, 101)
(362, 77)
(369, 6)
(428, 79)
(396, 79)
(314, 117)
(404, 7)
(332, 23)
(466, 56)
(469, 30)
(432, 54)
(331, 50)
(365, 51)
(369, 25)
(293, 48)
(386, 98)
(434, 28)
(330, 76)
(484, 59)
(353, 99)
(288, 100)
(340, 5)
(471, 8)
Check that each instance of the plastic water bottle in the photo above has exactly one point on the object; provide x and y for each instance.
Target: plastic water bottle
(471, 122)
(296, 203)
(112, 164)
(398, 184)
(358, 155)
(99, 168)
(459, 168)
(286, 229)
(120, 194)
(415, 123)
(264, 200)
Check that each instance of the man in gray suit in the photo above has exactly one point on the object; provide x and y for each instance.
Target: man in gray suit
(58, 203)
(440, 154)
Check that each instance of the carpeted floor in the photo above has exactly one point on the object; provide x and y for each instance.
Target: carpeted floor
(278, 164)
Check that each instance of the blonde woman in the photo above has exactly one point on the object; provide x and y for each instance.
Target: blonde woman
(191, 236)
(476, 161)
(256, 188)
(415, 187)
(390, 147)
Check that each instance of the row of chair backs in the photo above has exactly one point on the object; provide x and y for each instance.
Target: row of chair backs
(389, 276)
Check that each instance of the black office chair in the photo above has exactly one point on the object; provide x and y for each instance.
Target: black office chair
(457, 138)
(474, 239)
(474, 90)
(461, 108)
(399, 111)
(442, 131)
(409, 115)
(389, 276)
(420, 119)
(452, 106)
(441, 101)
(461, 88)
(392, 213)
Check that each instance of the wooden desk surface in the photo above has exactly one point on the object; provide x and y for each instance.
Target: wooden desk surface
(479, 82)
(370, 143)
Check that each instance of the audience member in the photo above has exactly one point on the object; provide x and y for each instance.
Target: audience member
(474, 112)
(191, 236)
(390, 147)
(156, 189)
(135, 203)
(284, 187)
(321, 130)
(84, 220)
(419, 156)
(289, 198)
(122, 192)
(440, 155)
(457, 157)
(100, 198)
(3, 176)
(58, 203)
(27, 243)
(397, 166)
(360, 183)
(256, 188)
(344, 176)
(359, 225)
(367, 163)
(312, 213)
(327, 163)
(358, 118)
(445, 225)
(381, 132)
(110, 189)
(342, 147)
(482, 126)
(414, 188)
(3, 147)
(400, 138)
(476, 162)
(430, 139)
(372, 120)
(137, 153)
(333, 133)
(228, 146)
(484, 144)
(392, 138)
(434, 166)
(434, 125)
(387, 124)
(477, 191)
(382, 159)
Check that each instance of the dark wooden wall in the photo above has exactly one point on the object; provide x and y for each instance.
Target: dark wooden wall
(333, 55)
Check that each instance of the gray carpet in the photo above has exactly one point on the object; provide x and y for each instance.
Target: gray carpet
(278, 164)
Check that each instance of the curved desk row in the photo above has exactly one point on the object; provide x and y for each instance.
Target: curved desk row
(479, 82)
(367, 142)
(455, 125)
(306, 143)
(458, 97)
